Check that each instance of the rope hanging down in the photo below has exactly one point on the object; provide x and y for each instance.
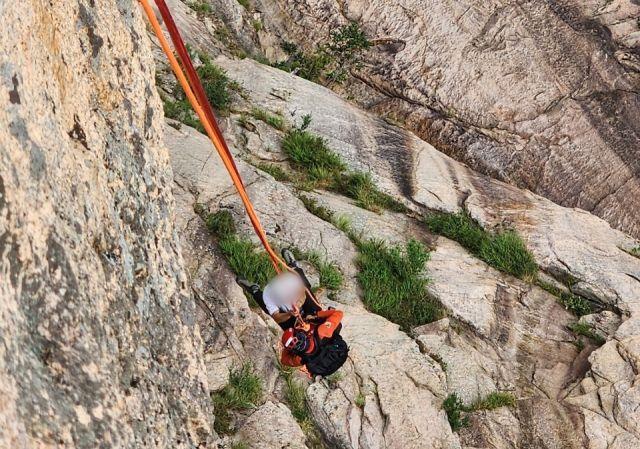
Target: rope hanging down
(198, 100)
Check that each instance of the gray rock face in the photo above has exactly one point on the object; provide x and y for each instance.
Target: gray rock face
(525, 92)
(98, 342)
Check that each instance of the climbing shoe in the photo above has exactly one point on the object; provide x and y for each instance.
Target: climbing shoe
(247, 286)
(289, 259)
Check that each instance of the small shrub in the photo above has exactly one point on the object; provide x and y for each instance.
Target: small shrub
(274, 120)
(493, 401)
(319, 211)
(274, 170)
(575, 304)
(452, 405)
(310, 152)
(360, 187)
(243, 391)
(244, 3)
(392, 282)
(504, 251)
(216, 84)
(586, 330)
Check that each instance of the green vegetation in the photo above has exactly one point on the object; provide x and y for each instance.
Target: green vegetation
(274, 120)
(334, 379)
(274, 170)
(181, 111)
(393, 284)
(245, 4)
(360, 187)
(504, 251)
(241, 254)
(257, 25)
(319, 211)
(296, 399)
(200, 7)
(586, 330)
(453, 406)
(493, 401)
(330, 276)
(243, 392)
(320, 166)
(360, 400)
(311, 153)
(216, 84)
(239, 445)
(330, 61)
(577, 305)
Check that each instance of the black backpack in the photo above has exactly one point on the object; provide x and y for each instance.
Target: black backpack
(329, 355)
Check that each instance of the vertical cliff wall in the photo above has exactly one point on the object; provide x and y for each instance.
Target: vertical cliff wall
(97, 334)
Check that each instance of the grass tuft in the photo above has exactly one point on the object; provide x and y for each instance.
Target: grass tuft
(296, 398)
(360, 400)
(311, 153)
(504, 251)
(243, 392)
(360, 187)
(322, 167)
(181, 111)
(241, 254)
(493, 401)
(453, 406)
(586, 330)
(274, 120)
(201, 8)
(274, 170)
(330, 276)
(311, 204)
(393, 284)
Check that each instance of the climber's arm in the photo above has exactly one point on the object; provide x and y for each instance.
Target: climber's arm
(281, 317)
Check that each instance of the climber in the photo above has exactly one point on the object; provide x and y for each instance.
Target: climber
(283, 293)
(320, 349)
(318, 345)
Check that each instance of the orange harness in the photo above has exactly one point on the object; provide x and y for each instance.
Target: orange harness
(201, 106)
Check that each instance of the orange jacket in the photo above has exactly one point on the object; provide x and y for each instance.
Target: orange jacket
(325, 330)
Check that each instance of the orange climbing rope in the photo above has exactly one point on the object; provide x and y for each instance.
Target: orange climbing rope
(212, 130)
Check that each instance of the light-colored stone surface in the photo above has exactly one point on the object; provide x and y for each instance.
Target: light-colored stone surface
(272, 427)
(98, 341)
(402, 390)
(569, 243)
(521, 91)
